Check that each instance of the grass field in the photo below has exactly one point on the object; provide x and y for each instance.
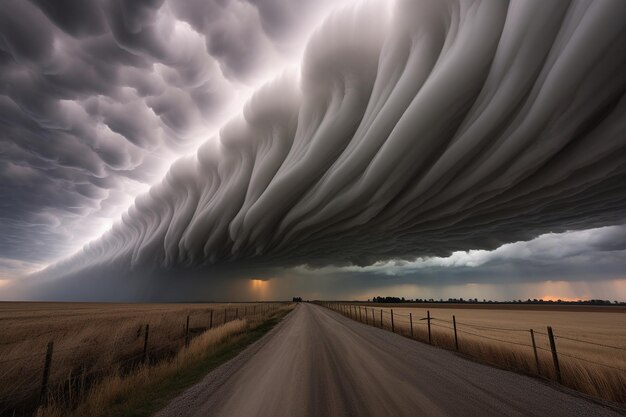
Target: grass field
(94, 341)
(590, 341)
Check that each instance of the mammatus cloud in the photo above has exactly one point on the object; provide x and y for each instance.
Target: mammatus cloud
(445, 126)
(450, 125)
(98, 98)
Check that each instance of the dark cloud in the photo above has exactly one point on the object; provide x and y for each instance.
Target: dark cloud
(449, 126)
(97, 98)
(78, 18)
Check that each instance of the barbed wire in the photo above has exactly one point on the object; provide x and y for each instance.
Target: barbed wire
(504, 329)
(590, 343)
(220, 311)
(590, 361)
(442, 326)
(104, 369)
(495, 338)
(399, 318)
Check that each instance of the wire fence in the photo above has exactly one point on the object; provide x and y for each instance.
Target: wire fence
(28, 380)
(447, 331)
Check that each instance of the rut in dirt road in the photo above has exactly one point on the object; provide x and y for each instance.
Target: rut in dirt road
(318, 363)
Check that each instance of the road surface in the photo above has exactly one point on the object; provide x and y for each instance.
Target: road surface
(318, 363)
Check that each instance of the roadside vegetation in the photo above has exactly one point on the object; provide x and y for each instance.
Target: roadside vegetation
(590, 343)
(108, 356)
(149, 388)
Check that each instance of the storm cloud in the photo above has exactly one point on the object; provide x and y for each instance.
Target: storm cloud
(98, 98)
(411, 130)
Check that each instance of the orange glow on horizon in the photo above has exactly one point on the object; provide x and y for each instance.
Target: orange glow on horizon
(554, 298)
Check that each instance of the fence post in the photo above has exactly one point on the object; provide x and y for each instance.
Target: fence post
(360, 315)
(237, 313)
(456, 339)
(532, 338)
(555, 357)
(225, 310)
(411, 321)
(373, 318)
(393, 330)
(381, 318)
(145, 344)
(43, 396)
(428, 319)
(366, 321)
(187, 332)
(254, 310)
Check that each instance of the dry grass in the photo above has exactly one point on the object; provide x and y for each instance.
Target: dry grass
(501, 337)
(117, 386)
(92, 341)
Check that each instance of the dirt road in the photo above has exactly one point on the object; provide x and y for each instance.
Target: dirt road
(318, 363)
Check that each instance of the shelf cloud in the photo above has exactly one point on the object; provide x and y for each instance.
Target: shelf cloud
(409, 130)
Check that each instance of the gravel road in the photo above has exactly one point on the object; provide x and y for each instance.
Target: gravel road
(318, 363)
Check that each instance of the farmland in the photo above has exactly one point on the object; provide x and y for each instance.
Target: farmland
(590, 341)
(91, 341)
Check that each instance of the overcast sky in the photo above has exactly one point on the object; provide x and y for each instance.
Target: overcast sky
(162, 149)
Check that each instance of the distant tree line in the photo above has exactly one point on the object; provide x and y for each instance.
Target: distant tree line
(297, 299)
(396, 300)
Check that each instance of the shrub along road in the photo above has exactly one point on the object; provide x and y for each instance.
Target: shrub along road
(319, 363)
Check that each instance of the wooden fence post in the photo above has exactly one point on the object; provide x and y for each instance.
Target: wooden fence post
(373, 318)
(532, 338)
(211, 320)
(555, 357)
(430, 342)
(187, 332)
(237, 313)
(254, 310)
(145, 344)
(411, 321)
(43, 395)
(456, 338)
(381, 318)
(366, 321)
(393, 330)
(360, 315)
(225, 310)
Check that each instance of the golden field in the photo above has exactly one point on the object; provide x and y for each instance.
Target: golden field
(94, 340)
(590, 340)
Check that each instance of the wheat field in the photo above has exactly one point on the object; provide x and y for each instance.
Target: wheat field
(94, 340)
(590, 341)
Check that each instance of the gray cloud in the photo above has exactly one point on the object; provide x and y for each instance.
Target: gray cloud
(549, 254)
(448, 126)
(98, 98)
